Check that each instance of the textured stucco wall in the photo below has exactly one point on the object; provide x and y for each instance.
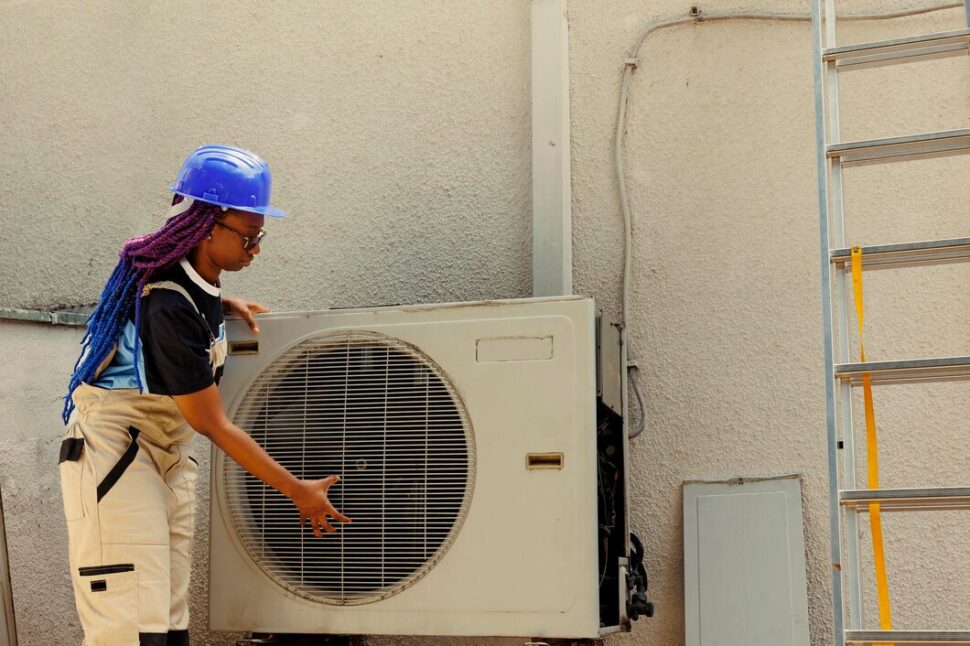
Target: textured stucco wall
(726, 308)
(400, 140)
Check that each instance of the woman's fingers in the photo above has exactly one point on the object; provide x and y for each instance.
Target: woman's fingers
(330, 510)
(321, 525)
(337, 515)
(247, 315)
(319, 522)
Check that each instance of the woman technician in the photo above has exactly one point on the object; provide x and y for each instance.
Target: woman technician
(147, 376)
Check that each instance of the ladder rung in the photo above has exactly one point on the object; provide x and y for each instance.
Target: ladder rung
(939, 498)
(907, 255)
(898, 148)
(899, 50)
(912, 637)
(896, 372)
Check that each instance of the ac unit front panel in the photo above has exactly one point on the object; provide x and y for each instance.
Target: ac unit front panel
(524, 560)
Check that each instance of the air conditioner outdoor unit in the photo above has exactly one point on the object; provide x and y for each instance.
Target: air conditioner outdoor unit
(466, 438)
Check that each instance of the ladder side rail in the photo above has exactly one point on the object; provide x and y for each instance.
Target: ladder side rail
(851, 569)
(835, 546)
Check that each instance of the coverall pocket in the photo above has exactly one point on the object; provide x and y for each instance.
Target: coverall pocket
(72, 472)
(111, 592)
(183, 482)
(191, 470)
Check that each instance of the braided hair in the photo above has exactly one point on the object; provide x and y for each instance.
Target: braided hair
(140, 259)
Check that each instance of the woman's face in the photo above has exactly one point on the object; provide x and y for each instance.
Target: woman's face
(227, 248)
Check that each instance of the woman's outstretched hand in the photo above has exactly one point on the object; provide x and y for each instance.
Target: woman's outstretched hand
(311, 499)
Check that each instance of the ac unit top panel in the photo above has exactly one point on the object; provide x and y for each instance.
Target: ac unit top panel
(423, 309)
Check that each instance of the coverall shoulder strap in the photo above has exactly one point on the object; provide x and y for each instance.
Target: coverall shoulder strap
(175, 287)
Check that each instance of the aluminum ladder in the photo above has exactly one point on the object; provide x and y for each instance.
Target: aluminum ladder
(845, 500)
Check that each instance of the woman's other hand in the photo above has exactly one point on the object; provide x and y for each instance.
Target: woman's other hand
(244, 309)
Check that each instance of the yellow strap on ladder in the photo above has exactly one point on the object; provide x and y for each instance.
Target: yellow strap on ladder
(878, 555)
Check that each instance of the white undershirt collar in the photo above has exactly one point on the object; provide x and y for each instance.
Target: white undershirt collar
(194, 276)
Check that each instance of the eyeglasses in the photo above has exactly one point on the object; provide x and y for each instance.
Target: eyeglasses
(248, 241)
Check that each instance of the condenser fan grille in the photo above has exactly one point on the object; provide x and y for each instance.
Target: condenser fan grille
(380, 414)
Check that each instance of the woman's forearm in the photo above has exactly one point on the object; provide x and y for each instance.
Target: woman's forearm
(203, 411)
(242, 448)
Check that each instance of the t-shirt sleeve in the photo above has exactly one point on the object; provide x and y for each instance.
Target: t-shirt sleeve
(176, 349)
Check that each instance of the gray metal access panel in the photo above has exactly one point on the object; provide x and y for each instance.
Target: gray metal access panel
(744, 563)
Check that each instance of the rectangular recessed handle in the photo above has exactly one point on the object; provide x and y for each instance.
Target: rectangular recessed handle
(544, 461)
(244, 347)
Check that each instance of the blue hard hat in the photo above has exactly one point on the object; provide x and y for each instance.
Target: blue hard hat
(227, 176)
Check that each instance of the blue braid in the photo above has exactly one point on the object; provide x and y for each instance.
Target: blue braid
(105, 325)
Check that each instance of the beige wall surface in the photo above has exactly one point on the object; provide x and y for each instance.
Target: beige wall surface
(726, 308)
(400, 140)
